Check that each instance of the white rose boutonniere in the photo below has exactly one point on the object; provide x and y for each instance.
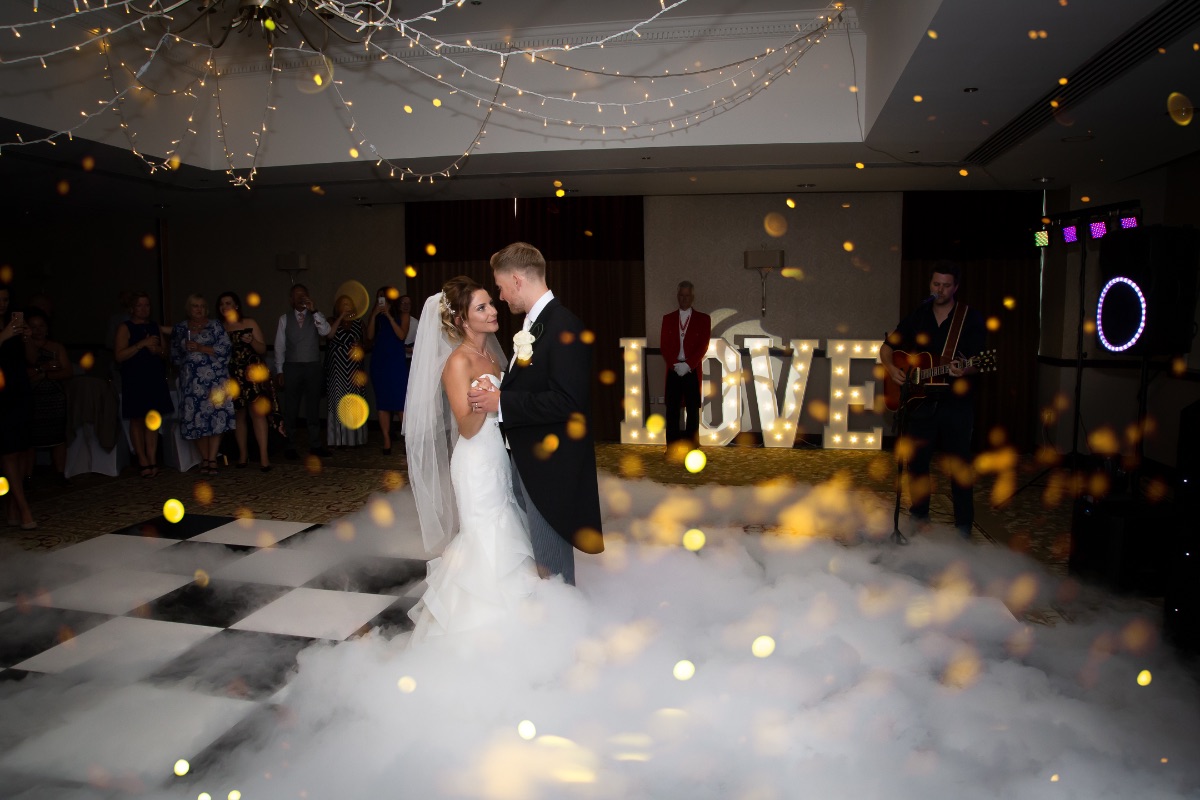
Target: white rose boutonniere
(523, 347)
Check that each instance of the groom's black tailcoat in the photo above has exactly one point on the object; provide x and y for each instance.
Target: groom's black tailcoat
(546, 405)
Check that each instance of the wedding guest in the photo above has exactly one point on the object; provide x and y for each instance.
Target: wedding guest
(298, 369)
(413, 321)
(344, 377)
(48, 366)
(200, 349)
(42, 302)
(387, 330)
(125, 301)
(16, 409)
(138, 349)
(683, 342)
(253, 378)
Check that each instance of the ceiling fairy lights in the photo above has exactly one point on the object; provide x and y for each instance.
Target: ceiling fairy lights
(175, 38)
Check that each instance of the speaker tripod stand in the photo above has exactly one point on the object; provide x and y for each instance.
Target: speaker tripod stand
(899, 429)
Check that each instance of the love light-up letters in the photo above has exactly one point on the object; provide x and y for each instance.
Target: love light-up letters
(779, 422)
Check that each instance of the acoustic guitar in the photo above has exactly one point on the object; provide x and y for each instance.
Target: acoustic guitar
(923, 374)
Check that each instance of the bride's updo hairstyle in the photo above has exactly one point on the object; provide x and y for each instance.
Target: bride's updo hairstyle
(456, 299)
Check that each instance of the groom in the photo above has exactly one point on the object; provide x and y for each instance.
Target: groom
(544, 405)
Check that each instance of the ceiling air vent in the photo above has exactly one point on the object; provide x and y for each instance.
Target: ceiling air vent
(1131, 48)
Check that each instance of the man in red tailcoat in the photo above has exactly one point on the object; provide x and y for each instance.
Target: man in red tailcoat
(684, 341)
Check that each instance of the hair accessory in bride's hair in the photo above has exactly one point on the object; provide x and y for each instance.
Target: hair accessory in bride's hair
(444, 306)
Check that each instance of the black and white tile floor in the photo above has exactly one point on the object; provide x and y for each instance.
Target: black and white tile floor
(191, 629)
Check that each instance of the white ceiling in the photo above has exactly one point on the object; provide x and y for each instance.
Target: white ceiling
(804, 129)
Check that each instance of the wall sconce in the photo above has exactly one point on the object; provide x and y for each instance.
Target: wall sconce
(764, 261)
(291, 263)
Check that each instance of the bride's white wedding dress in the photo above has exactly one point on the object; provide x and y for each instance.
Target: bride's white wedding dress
(488, 567)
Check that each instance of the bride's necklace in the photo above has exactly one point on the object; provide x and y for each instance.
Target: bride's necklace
(482, 353)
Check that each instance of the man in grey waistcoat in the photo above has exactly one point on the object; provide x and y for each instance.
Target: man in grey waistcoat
(298, 369)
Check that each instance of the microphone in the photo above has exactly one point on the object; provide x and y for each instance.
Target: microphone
(928, 299)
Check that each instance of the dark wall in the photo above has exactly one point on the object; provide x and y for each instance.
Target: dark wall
(80, 262)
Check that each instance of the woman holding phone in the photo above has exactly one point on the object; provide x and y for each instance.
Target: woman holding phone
(138, 348)
(387, 328)
(344, 356)
(16, 409)
(48, 366)
(248, 368)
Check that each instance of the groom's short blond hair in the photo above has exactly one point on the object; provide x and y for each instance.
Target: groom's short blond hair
(520, 257)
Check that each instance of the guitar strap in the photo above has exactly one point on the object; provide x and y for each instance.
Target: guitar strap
(956, 326)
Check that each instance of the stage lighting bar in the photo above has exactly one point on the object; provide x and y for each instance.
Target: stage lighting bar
(1041, 238)
(1092, 223)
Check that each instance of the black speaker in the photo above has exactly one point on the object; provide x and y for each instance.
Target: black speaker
(1122, 543)
(1147, 302)
(1181, 600)
(1187, 451)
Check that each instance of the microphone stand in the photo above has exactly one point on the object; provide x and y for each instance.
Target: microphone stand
(899, 428)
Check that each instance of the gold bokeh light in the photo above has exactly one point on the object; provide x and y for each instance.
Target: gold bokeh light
(173, 510)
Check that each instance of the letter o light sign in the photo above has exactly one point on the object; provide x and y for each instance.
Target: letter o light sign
(1125, 300)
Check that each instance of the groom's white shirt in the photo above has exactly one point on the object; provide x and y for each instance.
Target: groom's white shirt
(530, 318)
(541, 303)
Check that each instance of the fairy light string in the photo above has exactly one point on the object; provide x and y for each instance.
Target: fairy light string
(820, 33)
(736, 82)
(139, 84)
(140, 22)
(223, 135)
(757, 84)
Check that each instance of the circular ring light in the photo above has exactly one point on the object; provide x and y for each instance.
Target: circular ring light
(1141, 298)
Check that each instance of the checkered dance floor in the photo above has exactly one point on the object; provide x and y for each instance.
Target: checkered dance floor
(191, 629)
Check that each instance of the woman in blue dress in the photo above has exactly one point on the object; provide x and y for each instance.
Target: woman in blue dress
(139, 351)
(387, 328)
(200, 348)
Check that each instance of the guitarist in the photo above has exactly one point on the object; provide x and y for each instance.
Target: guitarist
(945, 417)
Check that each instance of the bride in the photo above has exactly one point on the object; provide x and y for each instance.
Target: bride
(488, 566)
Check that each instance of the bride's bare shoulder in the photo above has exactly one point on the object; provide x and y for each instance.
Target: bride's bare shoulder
(459, 362)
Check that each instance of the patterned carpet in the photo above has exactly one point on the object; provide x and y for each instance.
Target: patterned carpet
(1036, 520)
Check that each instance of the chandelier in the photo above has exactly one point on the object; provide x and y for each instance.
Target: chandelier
(272, 18)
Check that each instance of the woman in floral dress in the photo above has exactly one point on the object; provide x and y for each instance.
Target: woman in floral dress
(200, 348)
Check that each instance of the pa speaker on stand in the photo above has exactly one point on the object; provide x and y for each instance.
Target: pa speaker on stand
(1181, 601)
(1147, 302)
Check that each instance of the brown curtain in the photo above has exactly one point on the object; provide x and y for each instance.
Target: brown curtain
(594, 255)
(989, 234)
